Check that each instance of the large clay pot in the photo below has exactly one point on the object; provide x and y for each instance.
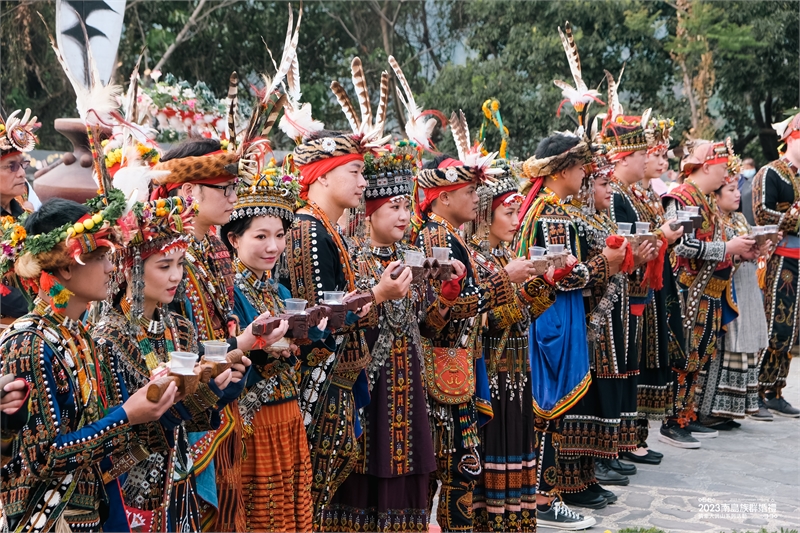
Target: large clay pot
(71, 177)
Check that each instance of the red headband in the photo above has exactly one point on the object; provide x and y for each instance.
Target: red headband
(794, 135)
(374, 205)
(313, 171)
(12, 152)
(433, 193)
(620, 155)
(497, 202)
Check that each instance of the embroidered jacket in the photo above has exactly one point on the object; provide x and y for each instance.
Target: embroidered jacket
(776, 196)
(76, 424)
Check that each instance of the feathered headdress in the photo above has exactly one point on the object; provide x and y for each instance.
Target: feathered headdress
(580, 95)
(620, 133)
(367, 131)
(417, 129)
(788, 128)
(16, 134)
(296, 121)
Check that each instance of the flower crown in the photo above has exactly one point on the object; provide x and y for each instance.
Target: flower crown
(657, 132)
(11, 242)
(159, 226)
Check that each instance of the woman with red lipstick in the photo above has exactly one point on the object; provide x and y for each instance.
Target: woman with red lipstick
(505, 494)
(388, 491)
(139, 331)
(276, 471)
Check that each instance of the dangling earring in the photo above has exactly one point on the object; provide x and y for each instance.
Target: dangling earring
(59, 295)
(137, 285)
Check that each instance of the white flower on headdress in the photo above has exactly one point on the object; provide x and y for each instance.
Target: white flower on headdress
(451, 174)
(329, 145)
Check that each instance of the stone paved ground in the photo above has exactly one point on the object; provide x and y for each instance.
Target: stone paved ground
(696, 490)
(756, 464)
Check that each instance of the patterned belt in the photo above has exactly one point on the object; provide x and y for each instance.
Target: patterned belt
(715, 287)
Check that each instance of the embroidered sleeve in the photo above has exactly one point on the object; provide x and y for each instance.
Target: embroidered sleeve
(538, 295)
(587, 274)
(692, 248)
(766, 197)
(50, 443)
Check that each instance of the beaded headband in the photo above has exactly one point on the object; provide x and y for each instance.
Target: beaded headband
(16, 134)
(624, 134)
(159, 226)
(273, 193)
(392, 174)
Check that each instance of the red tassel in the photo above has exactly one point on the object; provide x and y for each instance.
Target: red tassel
(654, 273)
(615, 241)
(47, 281)
(4, 291)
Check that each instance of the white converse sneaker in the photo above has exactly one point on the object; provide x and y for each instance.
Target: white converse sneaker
(560, 516)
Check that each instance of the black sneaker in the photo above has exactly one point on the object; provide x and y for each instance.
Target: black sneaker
(560, 516)
(606, 476)
(678, 437)
(584, 498)
(607, 494)
(763, 413)
(781, 407)
(646, 459)
(733, 424)
(622, 468)
(699, 431)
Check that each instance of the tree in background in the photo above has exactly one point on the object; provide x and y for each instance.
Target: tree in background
(741, 58)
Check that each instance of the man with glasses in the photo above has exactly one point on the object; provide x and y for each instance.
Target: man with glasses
(16, 138)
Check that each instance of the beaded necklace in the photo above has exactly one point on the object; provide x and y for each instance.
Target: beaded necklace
(144, 326)
(344, 259)
(206, 273)
(261, 294)
(80, 356)
(637, 199)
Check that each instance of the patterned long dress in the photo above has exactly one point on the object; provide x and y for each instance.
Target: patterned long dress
(276, 469)
(603, 423)
(776, 200)
(505, 494)
(732, 387)
(388, 489)
(703, 280)
(160, 491)
(561, 364)
(455, 427)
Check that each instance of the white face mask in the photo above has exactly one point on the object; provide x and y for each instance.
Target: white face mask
(749, 173)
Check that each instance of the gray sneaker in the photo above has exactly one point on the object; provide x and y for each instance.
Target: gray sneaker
(559, 516)
(763, 413)
(781, 407)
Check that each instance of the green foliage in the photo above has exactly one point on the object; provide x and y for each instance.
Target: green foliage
(455, 53)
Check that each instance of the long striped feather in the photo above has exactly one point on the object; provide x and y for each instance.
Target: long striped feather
(362, 92)
(233, 97)
(383, 102)
(346, 105)
(272, 116)
(573, 58)
(458, 123)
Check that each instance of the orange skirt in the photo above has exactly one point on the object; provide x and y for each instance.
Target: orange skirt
(276, 472)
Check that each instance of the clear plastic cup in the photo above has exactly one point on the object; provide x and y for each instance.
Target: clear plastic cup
(683, 215)
(760, 230)
(414, 259)
(182, 362)
(295, 306)
(331, 297)
(771, 228)
(642, 228)
(537, 251)
(215, 351)
(441, 254)
(624, 228)
(692, 209)
(556, 249)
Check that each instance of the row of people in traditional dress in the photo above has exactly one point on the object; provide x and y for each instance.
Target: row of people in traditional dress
(511, 392)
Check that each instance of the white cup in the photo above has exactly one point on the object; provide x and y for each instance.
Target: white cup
(441, 254)
(642, 228)
(556, 249)
(413, 258)
(215, 351)
(624, 228)
(332, 297)
(537, 251)
(295, 306)
(182, 362)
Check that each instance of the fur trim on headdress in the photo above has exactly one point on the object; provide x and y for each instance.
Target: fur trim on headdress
(198, 169)
(534, 167)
